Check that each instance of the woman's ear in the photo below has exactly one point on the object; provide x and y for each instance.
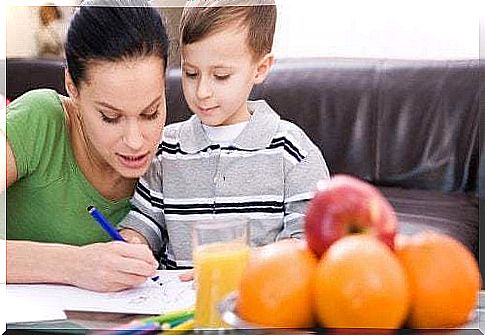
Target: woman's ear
(71, 89)
(264, 65)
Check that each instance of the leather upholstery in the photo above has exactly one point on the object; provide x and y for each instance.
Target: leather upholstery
(409, 127)
(24, 74)
(410, 124)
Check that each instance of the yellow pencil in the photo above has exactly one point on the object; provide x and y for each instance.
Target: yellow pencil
(187, 325)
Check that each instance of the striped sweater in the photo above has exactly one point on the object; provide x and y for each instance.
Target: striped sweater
(267, 175)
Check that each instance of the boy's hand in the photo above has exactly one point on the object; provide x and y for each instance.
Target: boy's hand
(187, 276)
(132, 236)
(112, 266)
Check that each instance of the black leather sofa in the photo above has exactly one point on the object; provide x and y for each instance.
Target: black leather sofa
(409, 127)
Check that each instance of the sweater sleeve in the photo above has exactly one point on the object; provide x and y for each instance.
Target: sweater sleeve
(146, 215)
(300, 184)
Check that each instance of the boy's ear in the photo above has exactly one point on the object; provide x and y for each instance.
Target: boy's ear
(264, 65)
(71, 89)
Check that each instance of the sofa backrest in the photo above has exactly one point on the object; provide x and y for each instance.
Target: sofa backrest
(410, 124)
(24, 74)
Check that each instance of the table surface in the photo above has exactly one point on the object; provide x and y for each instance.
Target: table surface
(95, 322)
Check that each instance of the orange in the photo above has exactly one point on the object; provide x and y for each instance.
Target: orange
(362, 331)
(276, 286)
(444, 279)
(360, 283)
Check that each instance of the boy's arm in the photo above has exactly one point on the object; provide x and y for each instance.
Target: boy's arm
(146, 214)
(132, 236)
(300, 185)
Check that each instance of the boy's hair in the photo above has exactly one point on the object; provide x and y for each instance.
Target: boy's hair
(202, 18)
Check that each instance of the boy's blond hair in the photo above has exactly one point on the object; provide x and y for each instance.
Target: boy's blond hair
(202, 18)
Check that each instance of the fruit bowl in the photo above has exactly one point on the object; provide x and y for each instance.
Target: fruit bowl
(227, 308)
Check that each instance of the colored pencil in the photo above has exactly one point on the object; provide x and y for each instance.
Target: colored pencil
(168, 317)
(174, 323)
(136, 328)
(187, 325)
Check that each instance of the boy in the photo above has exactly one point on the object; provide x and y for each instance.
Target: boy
(233, 157)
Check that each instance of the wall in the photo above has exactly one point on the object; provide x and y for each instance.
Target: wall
(20, 36)
(431, 29)
(414, 29)
(22, 22)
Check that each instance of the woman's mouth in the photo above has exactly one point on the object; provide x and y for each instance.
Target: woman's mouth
(133, 161)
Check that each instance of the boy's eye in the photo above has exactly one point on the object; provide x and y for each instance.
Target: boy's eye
(110, 118)
(190, 74)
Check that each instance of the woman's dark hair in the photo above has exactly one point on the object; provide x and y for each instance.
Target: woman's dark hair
(113, 31)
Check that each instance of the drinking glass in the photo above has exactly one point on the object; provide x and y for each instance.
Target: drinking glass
(220, 253)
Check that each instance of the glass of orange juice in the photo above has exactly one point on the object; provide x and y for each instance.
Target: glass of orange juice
(220, 253)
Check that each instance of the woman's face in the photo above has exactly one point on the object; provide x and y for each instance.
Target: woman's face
(122, 108)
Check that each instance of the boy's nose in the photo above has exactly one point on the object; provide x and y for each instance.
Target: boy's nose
(204, 90)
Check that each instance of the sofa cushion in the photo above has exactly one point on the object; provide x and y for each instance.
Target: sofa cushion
(409, 127)
(455, 214)
(24, 74)
(409, 124)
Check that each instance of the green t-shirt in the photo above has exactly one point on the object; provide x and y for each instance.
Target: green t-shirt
(49, 200)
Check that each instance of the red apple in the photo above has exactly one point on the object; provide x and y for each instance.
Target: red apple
(347, 205)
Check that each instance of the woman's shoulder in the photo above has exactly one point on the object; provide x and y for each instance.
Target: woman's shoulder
(36, 127)
(38, 103)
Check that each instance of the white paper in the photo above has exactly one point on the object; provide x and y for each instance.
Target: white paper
(22, 306)
(167, 294)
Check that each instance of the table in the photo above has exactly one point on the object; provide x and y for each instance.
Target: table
(94, 322)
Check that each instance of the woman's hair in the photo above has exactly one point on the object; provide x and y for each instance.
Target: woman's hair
(202, 18)
(113, 30)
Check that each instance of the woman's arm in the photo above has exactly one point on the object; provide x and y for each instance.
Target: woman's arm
(11, 165)
(112, 266)
(109, 266)
(33, 262)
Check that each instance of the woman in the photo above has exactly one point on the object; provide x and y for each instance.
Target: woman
(67, 153)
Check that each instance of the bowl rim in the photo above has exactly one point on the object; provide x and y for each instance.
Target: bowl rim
(227, 308)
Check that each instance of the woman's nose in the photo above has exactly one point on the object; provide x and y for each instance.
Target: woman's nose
(133, 137)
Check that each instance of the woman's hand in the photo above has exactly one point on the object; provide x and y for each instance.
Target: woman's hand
(112, 266)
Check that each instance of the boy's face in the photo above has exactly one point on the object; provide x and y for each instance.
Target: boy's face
(218, 73)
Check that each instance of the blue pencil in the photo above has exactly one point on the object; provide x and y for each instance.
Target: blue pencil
(138, 329)
(104, 223)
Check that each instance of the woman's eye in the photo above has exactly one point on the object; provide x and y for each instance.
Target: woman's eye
(151, 116)
(109, 119)
(222, 76)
